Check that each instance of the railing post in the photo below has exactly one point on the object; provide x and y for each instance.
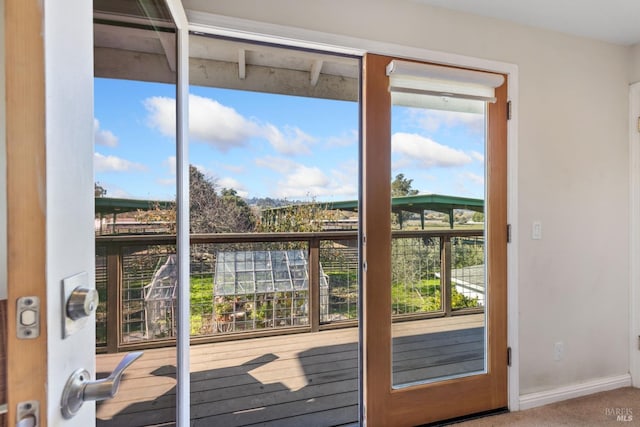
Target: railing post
(114, 292)
(445, 274)
(314, 284)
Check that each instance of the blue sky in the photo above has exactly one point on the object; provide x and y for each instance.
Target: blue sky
(265, 145)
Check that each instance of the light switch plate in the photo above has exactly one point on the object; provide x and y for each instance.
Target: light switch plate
(536, 230)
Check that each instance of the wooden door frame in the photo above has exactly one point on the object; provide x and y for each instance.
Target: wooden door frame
(411, 406)
(26, 198)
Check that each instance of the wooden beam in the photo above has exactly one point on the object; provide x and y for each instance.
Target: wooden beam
(209, 73)
(126, 64)
(242, 64)
(26, 198)
(168, 42)
(316, 67)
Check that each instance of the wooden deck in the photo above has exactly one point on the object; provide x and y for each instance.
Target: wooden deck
(305, 379)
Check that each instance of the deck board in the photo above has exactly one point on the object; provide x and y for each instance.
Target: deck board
(302, 379)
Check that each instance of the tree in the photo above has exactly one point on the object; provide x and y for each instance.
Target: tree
(231, 198)
(156, 214)
(211, 212)
(478, 217)
(300, 217)
(216, 213)
(401, 186)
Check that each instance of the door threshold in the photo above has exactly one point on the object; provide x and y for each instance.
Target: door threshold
(475, 416)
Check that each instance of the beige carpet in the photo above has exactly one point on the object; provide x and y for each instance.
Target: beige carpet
(619, 407)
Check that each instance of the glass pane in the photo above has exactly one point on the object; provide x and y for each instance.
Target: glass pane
(438, 243)
(135, 199)
(274, 142)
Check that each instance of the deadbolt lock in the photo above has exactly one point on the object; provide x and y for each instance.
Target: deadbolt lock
(82, 303)
(79, 302)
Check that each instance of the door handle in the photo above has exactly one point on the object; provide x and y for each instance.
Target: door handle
(80, 388)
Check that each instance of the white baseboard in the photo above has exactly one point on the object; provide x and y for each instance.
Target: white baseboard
(533, 400)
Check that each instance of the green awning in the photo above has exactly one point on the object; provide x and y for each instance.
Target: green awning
(110, 205)
(418, 204)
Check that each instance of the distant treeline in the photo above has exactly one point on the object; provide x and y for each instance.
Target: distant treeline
(268, 202)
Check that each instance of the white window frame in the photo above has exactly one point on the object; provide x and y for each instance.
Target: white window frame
(183, 383)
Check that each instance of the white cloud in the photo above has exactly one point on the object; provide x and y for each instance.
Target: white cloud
(104, 163)
(228, 182)
(162, 114)
(277, 164)
(102, 136)
(477, 156)
(473, 178)
(307, 177)
(433, 120)
(292, 141)
(343, 140)
(168, 182)
(209, 121)
(301, 181)
(469, 184)
(223, 127)
(233, 168)
(170, 164)
(424, 152)
(118, 193)
(208, 173)
(219, 125)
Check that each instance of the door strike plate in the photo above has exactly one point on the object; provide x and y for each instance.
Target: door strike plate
(28, 414)
(28, 317)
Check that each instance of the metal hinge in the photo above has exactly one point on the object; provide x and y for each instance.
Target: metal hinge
(3, 408)
(508, 356)
(508, 110)
(508, 233)
(638, 124)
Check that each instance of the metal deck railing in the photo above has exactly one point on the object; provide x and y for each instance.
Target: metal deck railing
(430, 278)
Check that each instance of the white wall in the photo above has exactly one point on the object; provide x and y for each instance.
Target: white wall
(3, 171)
(69, 171)
(573, 168)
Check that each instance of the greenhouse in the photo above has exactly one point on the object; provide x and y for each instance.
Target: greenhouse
(265, 288)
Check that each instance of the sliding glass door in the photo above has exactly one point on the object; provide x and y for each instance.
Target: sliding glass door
(347, 239)
(274, 147)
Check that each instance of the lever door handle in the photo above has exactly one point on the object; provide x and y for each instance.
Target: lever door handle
(108, 387)
(80, 388)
